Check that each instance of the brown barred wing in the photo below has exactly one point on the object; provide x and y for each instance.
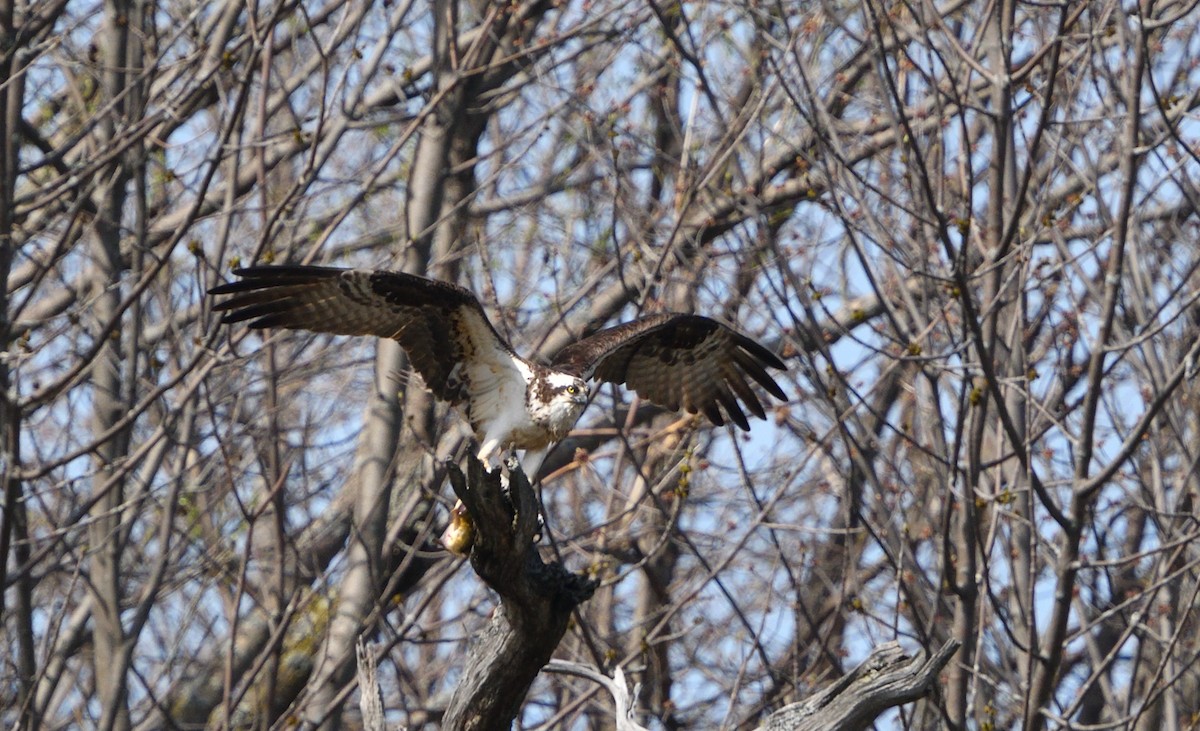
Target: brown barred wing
(439, 325)
(678, 361)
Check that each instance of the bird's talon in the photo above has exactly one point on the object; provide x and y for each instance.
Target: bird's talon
(537, 537)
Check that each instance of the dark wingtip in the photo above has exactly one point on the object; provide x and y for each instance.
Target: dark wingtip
(775, 389)
(257, 319)
(732, 409)
(260, 276)
(224, 288)
(714, 414)
(255, 298)
(756, 408)
(760, 352)
(276, 271)
(758, 357)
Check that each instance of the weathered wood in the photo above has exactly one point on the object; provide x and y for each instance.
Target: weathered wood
(887, 678)
(370, 701)
(623, 695)
(536, 600)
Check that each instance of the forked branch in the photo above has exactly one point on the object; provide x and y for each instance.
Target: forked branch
(536, 599)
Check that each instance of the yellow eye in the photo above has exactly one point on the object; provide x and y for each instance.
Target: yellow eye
(572, 390)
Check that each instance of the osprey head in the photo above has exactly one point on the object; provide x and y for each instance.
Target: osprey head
(558, 400)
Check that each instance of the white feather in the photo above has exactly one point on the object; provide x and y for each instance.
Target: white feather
(503, 417)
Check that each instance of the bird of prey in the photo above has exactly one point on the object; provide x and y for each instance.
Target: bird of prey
(677, 361)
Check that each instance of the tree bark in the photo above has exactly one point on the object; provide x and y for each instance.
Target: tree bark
(536, 599)
(14, 524)
(887, 678)
(109, 396)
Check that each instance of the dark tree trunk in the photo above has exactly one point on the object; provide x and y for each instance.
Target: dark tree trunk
(536, 599)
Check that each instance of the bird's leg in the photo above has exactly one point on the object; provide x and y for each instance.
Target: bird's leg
(488, 449)
(510, 463)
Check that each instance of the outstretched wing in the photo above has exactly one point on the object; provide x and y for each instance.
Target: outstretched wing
(440, 325)
(680, 361)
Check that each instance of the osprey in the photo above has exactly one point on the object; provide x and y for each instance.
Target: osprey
(673, 360)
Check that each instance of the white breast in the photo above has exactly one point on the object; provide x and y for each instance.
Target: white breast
(498, 411)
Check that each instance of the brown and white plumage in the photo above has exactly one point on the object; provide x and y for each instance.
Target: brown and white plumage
(439, 324)
(677, 361)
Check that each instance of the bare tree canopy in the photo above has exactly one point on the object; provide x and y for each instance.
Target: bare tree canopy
(967, 228)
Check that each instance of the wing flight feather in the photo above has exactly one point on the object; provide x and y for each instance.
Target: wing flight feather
(439, 324)
(680, 361)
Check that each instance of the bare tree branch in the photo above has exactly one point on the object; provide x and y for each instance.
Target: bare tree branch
(536, 599)
(887, 678)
